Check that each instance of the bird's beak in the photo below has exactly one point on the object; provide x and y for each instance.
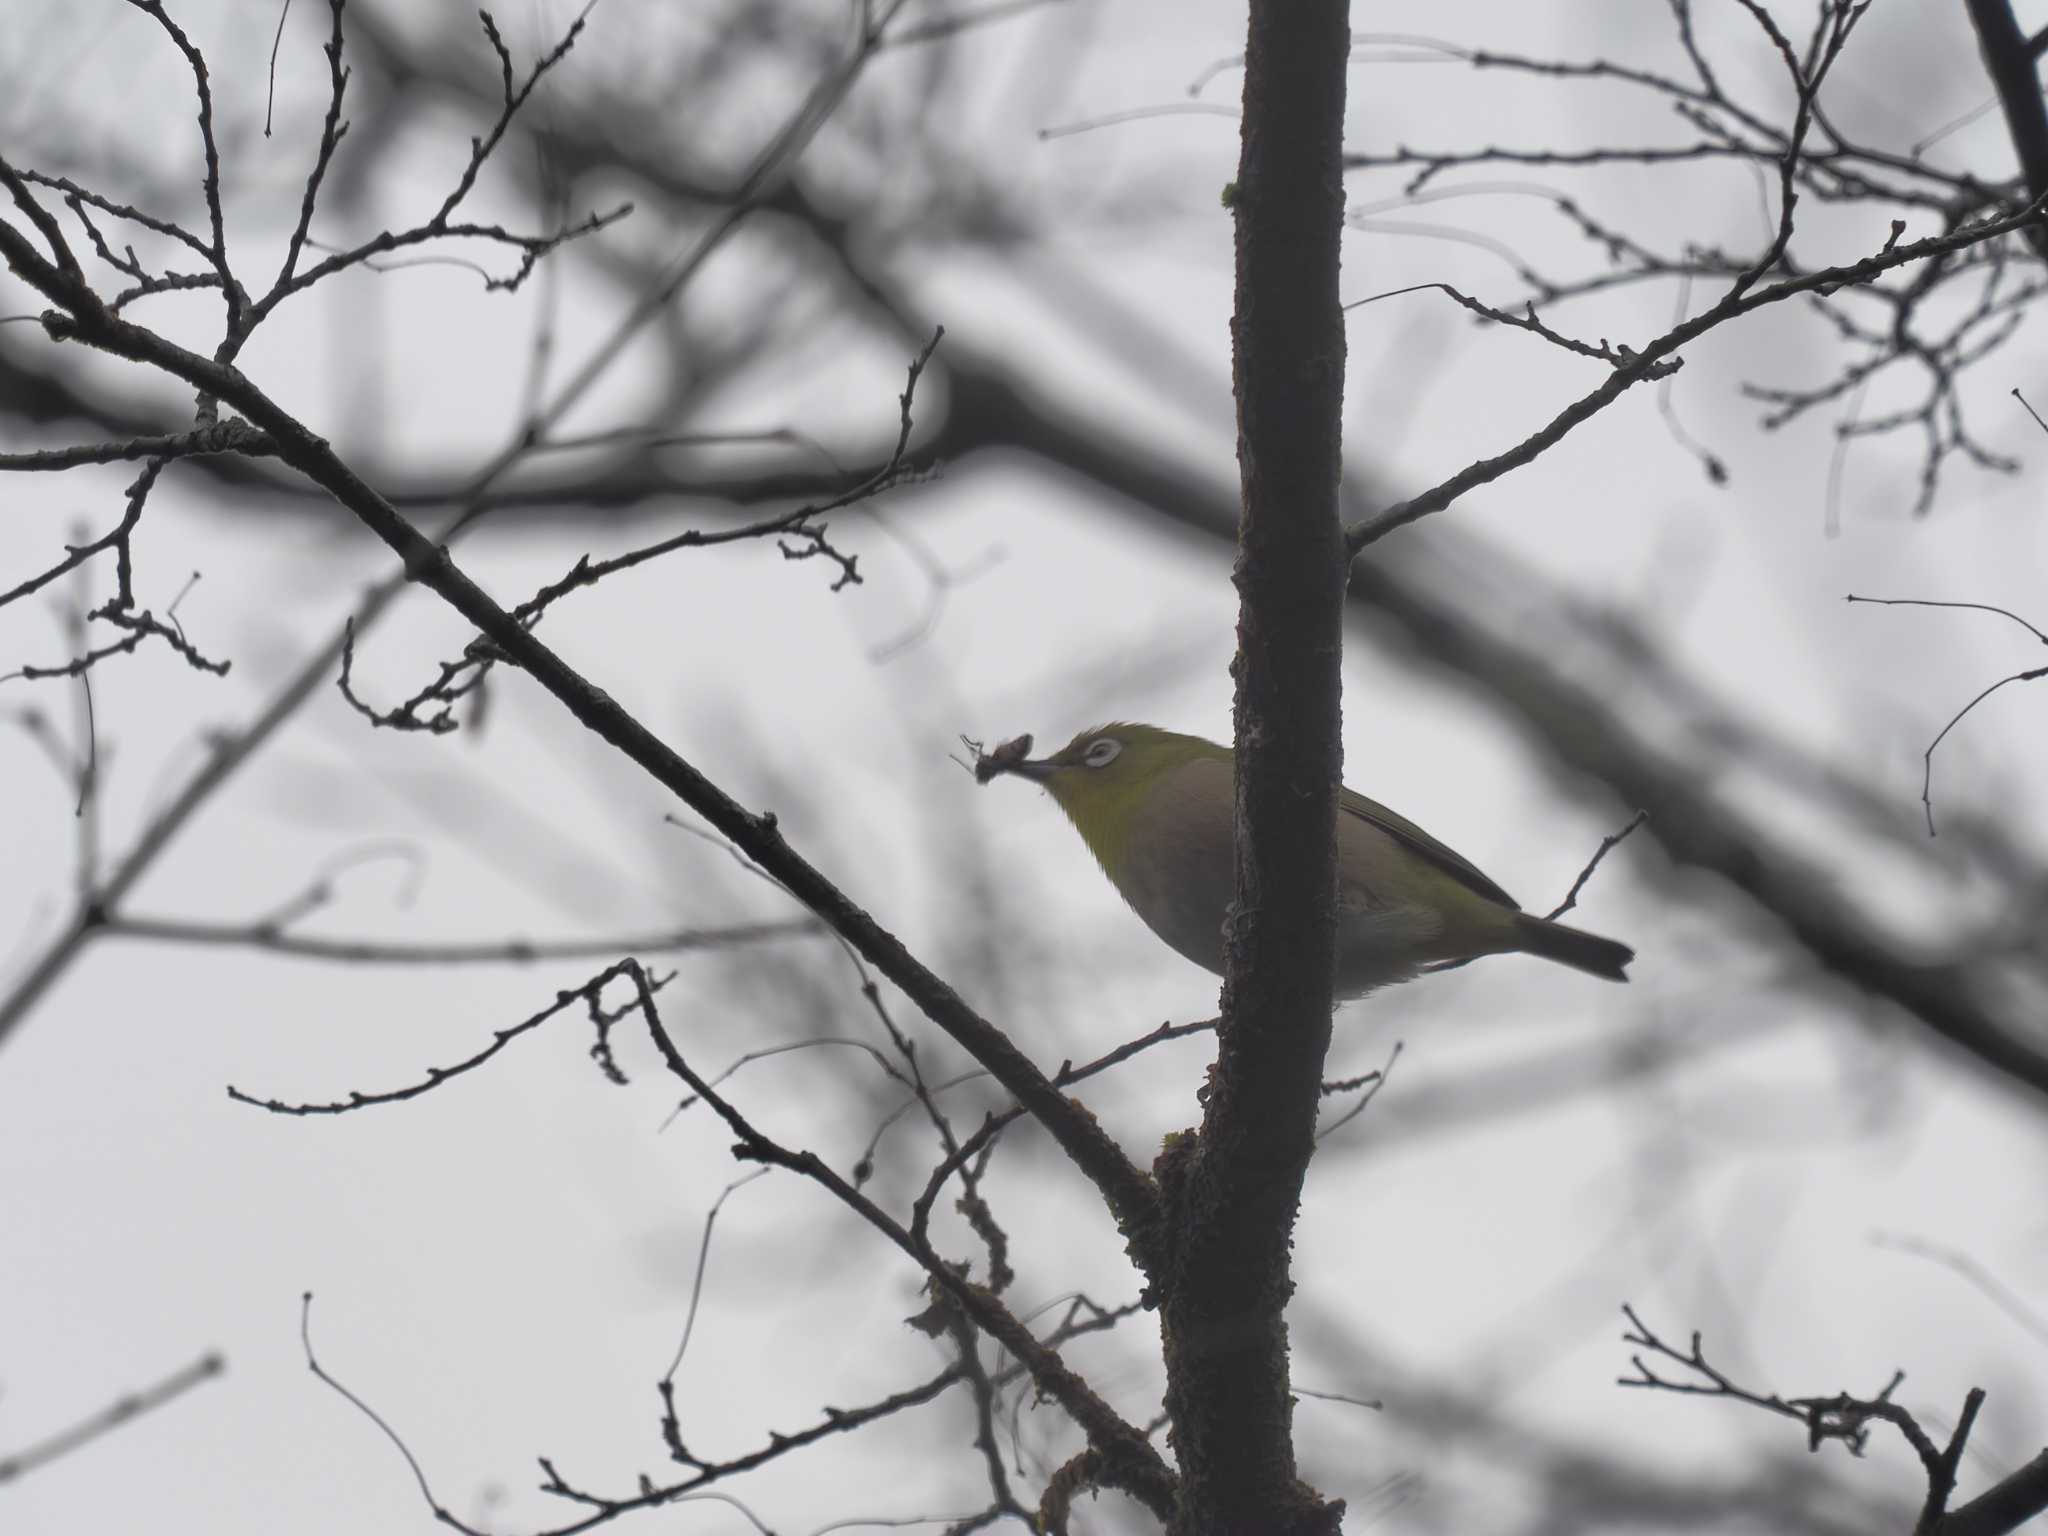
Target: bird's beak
(1008, 757)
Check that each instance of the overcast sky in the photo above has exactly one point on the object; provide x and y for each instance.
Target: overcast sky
(504, 1267)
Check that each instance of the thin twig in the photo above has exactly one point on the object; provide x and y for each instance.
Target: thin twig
(1607, 845)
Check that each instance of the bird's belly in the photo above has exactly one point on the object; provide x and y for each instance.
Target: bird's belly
(1377, 945)
(1184, 903)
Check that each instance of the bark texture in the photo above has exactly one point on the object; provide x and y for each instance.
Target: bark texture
(1233, 1186)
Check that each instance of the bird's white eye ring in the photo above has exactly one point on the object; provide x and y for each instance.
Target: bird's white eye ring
(1101, 752)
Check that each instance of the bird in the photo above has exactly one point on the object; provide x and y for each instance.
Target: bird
(1157, 809)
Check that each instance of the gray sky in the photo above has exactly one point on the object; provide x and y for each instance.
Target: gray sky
(503, 1268)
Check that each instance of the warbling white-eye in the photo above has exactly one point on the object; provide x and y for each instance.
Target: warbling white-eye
(1156, 809)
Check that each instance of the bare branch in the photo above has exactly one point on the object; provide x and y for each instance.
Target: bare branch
(1130, 1462)
(1607, 845)
(230, 436)
(122, 1411)
(590, 994)
(2031, 675)
(1649, 361)
(272, 939)
(1928, 602)
(217, 248)
(331, 130)
(1527, 321)
(1972, 1273)
(768, 172)
(2013, 62)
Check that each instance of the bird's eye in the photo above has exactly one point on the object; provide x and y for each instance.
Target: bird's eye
(1101, 752)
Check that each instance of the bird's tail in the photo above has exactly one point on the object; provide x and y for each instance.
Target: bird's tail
(1574, 947)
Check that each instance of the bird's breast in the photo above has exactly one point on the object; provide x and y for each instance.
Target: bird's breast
(1179, 873)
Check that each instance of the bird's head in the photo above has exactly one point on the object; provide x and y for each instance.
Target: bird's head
(1102, 777)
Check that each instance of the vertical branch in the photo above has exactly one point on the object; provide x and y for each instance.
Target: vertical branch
(85, 735)
(2013, 63)
(1236, 1186)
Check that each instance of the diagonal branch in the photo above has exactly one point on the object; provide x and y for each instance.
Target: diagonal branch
(121, 1411)
(1131, 1463)
(1651, 362)
(1129, 1192)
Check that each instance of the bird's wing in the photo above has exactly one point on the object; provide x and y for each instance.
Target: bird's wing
(1417, 841)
